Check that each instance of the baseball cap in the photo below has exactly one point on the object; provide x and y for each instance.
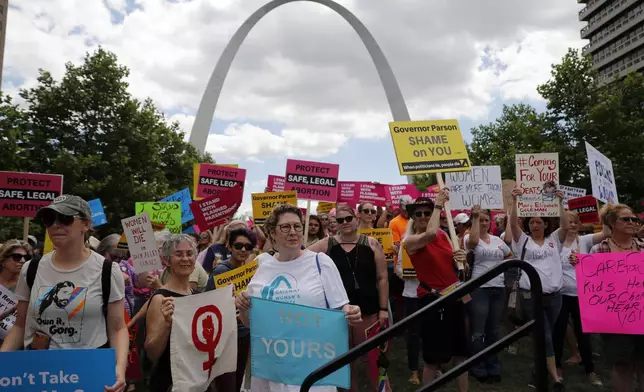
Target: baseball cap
(461, 218)
(68, 205)
(33, 241)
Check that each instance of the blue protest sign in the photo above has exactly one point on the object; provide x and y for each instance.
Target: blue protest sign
(57, 370)
(183, 197)
(98, 214)
(290, 341)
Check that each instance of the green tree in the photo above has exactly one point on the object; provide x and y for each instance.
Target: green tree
(107, 144)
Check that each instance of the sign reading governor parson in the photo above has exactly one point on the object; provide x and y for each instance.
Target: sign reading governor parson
(23, 194)
(215, 178)
(312, 180)
(424, 147)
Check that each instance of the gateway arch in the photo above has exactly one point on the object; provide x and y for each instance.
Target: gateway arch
(203, 120)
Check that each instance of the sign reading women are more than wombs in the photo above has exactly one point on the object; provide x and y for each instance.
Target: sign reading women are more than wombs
(429, 146)
(23, 194)
(481, 185)
(538, 177)
(312, 180)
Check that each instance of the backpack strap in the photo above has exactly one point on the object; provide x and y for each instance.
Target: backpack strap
(317, 261)
(523, 250)
(32, 270)
(106, 285)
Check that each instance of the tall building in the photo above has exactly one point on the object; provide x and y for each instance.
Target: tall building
(4, 8)
(615, 29)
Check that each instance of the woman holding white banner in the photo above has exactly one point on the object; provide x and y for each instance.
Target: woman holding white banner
(295, 276)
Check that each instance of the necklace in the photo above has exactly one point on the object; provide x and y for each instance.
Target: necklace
(617, 245)
(352, 267)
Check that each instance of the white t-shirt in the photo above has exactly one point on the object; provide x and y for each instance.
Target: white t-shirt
(66, 305)
(297, 282)
(487, 256)
(569, 277)
(545, 259)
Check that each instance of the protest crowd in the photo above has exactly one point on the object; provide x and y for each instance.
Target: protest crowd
(193, 296)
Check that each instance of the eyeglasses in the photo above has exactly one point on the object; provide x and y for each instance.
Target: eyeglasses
(204, 236)
(347, 219)
(240, 246)
(48, 219)
(369, 212)
(286, 228)
(629, 219)
(17, 257)
(418, 214)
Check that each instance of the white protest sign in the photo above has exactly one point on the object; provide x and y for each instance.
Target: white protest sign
(482, 185)
(6, 324)
(203, 340)
(602, 176)
(570, 192)
(538, 177)
(8, 299)
(141, 243)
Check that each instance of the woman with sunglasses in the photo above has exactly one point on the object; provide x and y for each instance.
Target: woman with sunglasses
(13, 254)
(241, 243)
(363, 268)
(367, 214)
(72, 276)
(305, 278)
(625, 352)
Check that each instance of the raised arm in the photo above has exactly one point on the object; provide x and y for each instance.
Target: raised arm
(515, 229)
(382, 221)
(564, 222)
(475, 231)
(416, 242)
(602, 235)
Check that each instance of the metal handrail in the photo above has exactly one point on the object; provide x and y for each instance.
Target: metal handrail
(536, 325)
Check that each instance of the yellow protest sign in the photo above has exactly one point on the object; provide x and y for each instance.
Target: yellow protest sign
(324, 207)
(49, 246)
(240, 277)
(195, 178)
(122, 244)
(424, 147)
(263, 203)
(385, 238)
(407, 266)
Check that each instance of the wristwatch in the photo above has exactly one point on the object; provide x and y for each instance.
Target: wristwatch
(438, 206)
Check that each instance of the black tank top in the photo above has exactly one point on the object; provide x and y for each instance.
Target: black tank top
(358, 272)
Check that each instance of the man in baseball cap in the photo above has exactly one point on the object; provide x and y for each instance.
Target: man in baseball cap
(64, 209)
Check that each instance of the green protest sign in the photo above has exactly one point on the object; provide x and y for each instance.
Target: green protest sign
(165, 213)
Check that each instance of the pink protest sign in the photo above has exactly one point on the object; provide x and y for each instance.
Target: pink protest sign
(393, 193)
(355, 192)
(216, 178)
(312, 180)
(432, 192)
(275, 183)
(611, 292)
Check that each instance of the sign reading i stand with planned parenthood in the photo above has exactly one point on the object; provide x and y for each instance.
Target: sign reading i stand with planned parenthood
(23, 194)
(312, 180)
(215, 178)
(429, 147)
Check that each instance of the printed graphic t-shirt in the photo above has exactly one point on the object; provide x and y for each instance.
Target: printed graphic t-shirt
(545, 259)
(297, 282)
(66, 305)
(487, 256)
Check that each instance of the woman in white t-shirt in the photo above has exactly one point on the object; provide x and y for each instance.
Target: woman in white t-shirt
(488, 301)
(69, 282)
(294, 277)
(541, 248)
(570, 302)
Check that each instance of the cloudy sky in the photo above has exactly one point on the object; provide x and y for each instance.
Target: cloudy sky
(303, 84)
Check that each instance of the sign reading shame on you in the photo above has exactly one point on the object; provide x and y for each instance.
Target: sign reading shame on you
(290, 341)
(611, 292)
(23, 194)
(312, 180)
(538, 177)
(57, 370)
(263, 203)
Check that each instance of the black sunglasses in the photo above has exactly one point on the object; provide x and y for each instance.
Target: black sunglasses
(418, 214)
(19, 256)
(347, 219)
(240, 246)
(630, 219)
(368, 212)
(49, 218)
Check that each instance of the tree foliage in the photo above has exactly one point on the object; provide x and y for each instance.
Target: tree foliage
(611, 118)
(104, 142)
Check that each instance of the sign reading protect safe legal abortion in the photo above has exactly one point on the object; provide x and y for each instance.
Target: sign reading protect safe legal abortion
(429, 146)
(312, 180)
(538, 177)
(23, 194)
(141, 243)
(611, 292)
(290, 341)
(215, 178)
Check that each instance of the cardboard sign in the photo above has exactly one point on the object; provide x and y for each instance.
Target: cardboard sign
(385, 239)
(481, 185)
(141, 243)
(238, 278)
(587, 208)
(98, 214)
(216, 178)
(395, 192)
(325, 207)
(408, 268)
(538, 176)
(280, 332)
(571, 193)
(263, 203)
(8, 301)
(275, 183)
(57, 370)
(602, 176)
(424, 147)
(166, 214)
(355, 192)
(312, 180)
(23, 194)
(215, 210)
(6, 324)
(183, 197)
(610, 286)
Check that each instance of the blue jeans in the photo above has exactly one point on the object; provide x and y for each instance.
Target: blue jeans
(551, 310)
(486, 310)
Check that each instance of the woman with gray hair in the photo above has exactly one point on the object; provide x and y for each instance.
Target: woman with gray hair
(180, 254)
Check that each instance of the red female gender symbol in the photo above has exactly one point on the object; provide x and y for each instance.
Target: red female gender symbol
(210, 340)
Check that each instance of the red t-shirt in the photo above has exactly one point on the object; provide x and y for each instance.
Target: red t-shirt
(434, 265)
